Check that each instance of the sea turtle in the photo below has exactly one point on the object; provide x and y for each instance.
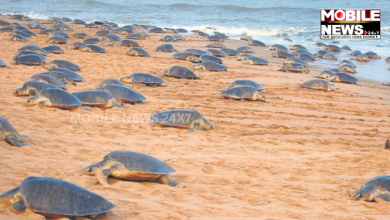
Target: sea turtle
(330, 56)
(10, 135)
(92, 40)
(17, 37)
(59, 34)
(30, 60)
(125, 94)
(58, 75)
(294, 68)
(182, 30)
(320, 53)
(206, 57)
(246, 38)
(77, 45)
(93, 49)
(6, 29)
(372, 55)
(306, 56)
(246, 82)
(244, 92)
(109, 81)
(282, 54)
(346, 62)
(28, 52)
(255, 61)
(297, 46)
(54, 199)
(230, 52)
(195, 52)
(287, 39)
(32, 88)
(278, 47)
(318, 84)
(183, 56)
(129, 43)
(35, 48)
(332, 48)
(346, 48)
(387, 59)
(2, 64)
(207, 65)
(157, 30)
(245, 49)
(343, 78)
(319, 44)
(69, 73)
(57, 40)
(49, 79)
(133, 166)
(242, 56)
(355, 53)
(295, 60)
(53, 49)
(362, 58)
(347, 68)
(102, 33)
(224, 36)
(112, 37)
(97, 98)
(55, 98)
(78, 21)
(168, 38)
(143, 78)
(216, 53)
(377, 187)
(325, 74)
(216, 45)
(64, 64)
(215, 38)
(137, 36)
(182, 118)
(21, 33)
(168, 48)
(80, 35)
(137, 52)
(257, 43)
(202, 34)
(298, 52)
(178, 71)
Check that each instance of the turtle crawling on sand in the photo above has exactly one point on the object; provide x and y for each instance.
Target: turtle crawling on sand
(55, 98)
(249, 93)
(246, 82)
(138, 52)
(32, 88)
(211, 66)
(182, 118)
(178, 71)
(97, 98)
(54, 199)
(377, 187)
(294, 68)
(143, 78)
(318, 84)
(129, 165)
(9, 134)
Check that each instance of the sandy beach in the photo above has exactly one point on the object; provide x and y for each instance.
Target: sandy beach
(292, 158)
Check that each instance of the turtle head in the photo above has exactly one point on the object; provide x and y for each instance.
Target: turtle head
(21, 92)
(333, 78)
(261, 97)
(165, 73)
(193, 59)
(199, 67)
(31, 101)
(366, 193)
(10, 196)
(271, 48)
(48, 65)
(126, 79)
(92, 169)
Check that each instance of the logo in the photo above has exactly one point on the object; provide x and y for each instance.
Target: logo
(351, 24)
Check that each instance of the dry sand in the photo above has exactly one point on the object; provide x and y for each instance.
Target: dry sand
(292, 158)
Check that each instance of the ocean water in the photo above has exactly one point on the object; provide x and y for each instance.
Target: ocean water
(261, 19)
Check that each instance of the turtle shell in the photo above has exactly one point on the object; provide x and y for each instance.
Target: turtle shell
(77, 45)
(182, 55)
(143, 78)
(230, 52)
(50, 196)
(30, 59)
(53, 49)
(6, 128)
(65, 64)
(345, 78)
(80, 35)
(2, 64)
(213, 66)
(255, 61)
(346, 48)
(282, 54)
(32, 88)
(278, 47)
(196, 52)
(94, 49)
(49, 79)
(60, 98)
(137, 51)
(97, 98)
(178, 71)
(206, 57)
(245, 49)
(296, 60)
(92, 40)
(246, 82)
(256, 43)
(125, 94)
(329, 56)
(181, 118)
(318, 84)
(109, 81)
(216, 53)
(57, 40)
(139, 162)
(168, 48)
(321, 53)
(216, 45)
(129, 43)
(240, 92)
(35, 48)
(112, 37)
(69, 73)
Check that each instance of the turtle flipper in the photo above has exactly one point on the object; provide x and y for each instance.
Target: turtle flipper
(165, 180)
(196, 126)
(18, 207)
(102, 174)
(385, 196)
(13, 140)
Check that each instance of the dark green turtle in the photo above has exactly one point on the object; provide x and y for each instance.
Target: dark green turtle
(58, 75)
(35, 48)
(377, 187)
(80, 35)
(206, 57)
(30, 60)
(355, 53)
(178, 71)
(137, 52)
(129, 43)
(112, 38)
(90, 48)
(55, 98)
(133, 166)
(245, 49)
(330, 56)
(216, 45)
(294, 68)
(69, 73)
(207, 65)
(372, 55)
(278, 47)
(109, 81)
(256, 43)
(230, 52)
(64, 64)
(346, 48)
(343, 78)
(297, 47)
(282, 54)
(318, 84)
(92, 40)
(332, 48)
(216, 53)
(53, 49)
(168, 48)
(182, 118)
(54, 199)
(2, 64)
(77, 45)
(346, 62)
(49, 79)
(195, 52)
(18, 37)
(183, 56)
(347, 68)
(244, 92)
(255, 61)
(10, 135)
(143, 78)
(325, 74)
(97, 98)
(125, 94)
(246, 82)
(32, 88)
(306, 56)
(57, 40)
(362, 58)
(320, 53)
(295, 60)
(242, 56)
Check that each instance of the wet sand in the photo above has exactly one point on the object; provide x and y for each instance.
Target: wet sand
(292, 158)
